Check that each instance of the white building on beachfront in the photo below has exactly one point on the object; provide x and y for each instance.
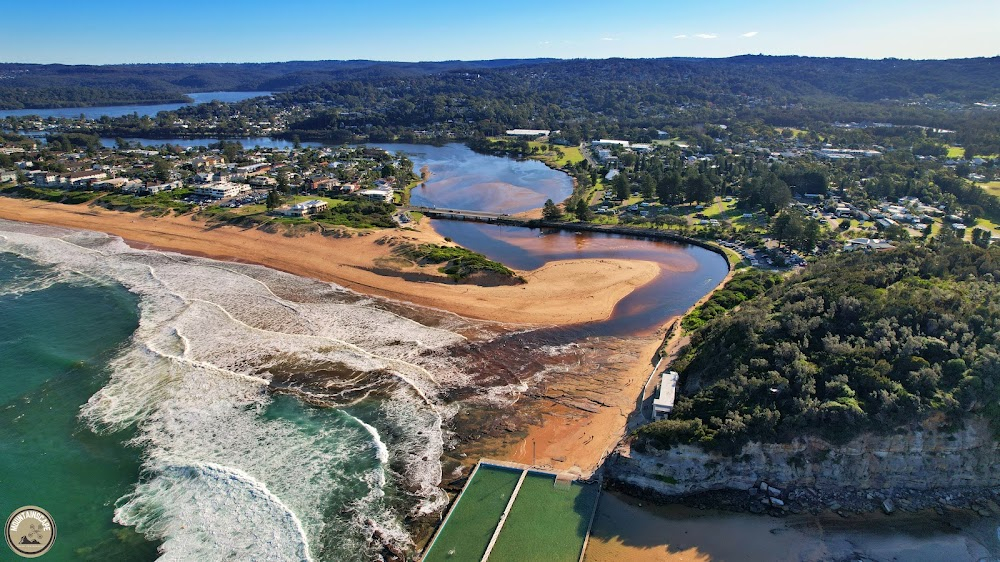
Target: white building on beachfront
(304, 208)
(663, 403)
(221, 190)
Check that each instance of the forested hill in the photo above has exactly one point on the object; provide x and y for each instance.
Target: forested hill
(754, 79)
(859, 342)
(58, 85)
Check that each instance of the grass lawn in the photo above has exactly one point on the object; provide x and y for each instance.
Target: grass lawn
(795, 132)
(991, 187)
(468, 531)
(722, 209)
(547, 522)
(955, 151)
(985, 224)
(570, 154)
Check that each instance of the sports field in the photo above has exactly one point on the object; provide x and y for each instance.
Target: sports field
(469, 528)
(548, 521)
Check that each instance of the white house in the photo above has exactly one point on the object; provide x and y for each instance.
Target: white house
(869, 244)
(169, 186)
(46, 179)
(663, 403)
(377, 194)
(304, 208)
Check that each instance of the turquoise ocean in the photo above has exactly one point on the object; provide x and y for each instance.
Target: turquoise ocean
(159, 405)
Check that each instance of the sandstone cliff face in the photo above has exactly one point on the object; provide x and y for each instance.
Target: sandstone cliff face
(923, 459)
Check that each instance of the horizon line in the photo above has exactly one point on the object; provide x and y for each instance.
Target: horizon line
(549, 59)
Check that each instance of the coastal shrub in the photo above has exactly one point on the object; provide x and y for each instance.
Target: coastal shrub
(743, 286)
(54, 195)
(459, 263)
(856, 343)
(358, 213)
(670, 432)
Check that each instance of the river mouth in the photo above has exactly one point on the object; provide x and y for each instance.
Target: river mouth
(686, 272)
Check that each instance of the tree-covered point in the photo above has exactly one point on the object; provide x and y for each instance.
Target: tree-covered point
(859, 342)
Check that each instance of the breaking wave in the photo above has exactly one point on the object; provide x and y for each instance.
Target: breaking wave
(221, 381)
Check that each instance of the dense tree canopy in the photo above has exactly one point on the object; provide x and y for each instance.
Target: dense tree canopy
(859, 342)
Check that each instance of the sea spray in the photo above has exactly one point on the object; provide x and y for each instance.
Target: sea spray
(271, 474)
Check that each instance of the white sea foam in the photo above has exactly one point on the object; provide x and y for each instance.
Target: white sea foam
(224, 475)
(381, 451)
(209, 512)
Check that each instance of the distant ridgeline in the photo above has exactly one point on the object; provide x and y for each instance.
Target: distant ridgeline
(857, 343)
(58, 85)
(613, 96)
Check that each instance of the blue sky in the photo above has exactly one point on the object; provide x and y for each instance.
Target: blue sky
(136, 31)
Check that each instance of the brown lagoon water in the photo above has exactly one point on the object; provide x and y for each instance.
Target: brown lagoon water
(686, 272)
(463, 179)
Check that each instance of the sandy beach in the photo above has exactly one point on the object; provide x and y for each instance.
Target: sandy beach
(575, 418)
(563, 292)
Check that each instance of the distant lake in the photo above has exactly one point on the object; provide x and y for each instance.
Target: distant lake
(122, 110)
(251, 142)
(463, 179)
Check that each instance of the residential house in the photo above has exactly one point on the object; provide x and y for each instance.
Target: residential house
(376, 194)
(46, 179)
(84, 178)
(303, 209)
(867, 244)
(156, 188)
(207, 162)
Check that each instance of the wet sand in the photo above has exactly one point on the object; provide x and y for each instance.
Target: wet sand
(564, 292)
(626, 528)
